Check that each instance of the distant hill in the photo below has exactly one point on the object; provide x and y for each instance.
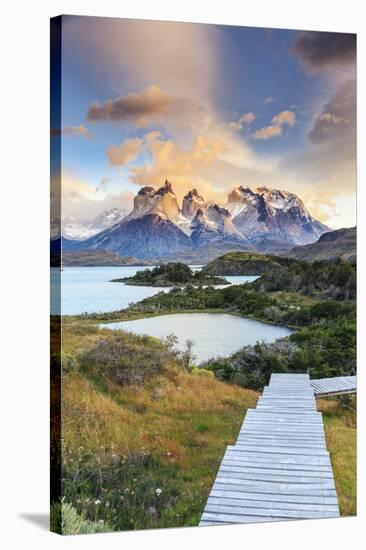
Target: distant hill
(340, 243)
(245, 263)
(94, 258)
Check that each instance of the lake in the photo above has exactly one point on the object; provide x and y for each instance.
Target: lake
(89, 290)
(213, 334)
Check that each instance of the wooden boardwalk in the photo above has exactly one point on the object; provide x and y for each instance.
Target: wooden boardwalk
(279, 469)
(339, 385)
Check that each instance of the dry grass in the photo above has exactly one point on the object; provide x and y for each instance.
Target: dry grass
(122, 442)
(169, 433)
(161, 417)
(340, 430)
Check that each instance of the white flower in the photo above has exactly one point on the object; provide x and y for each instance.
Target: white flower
(158, 492)
(97, 502)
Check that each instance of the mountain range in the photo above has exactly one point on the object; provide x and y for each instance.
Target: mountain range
(83, 229)
(263, 219)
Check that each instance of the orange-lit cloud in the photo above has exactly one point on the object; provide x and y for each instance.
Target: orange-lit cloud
(248, 118)
(276, 128)
(119, 155)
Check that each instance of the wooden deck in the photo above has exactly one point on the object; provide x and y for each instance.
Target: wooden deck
(339, 385)
(279, 469)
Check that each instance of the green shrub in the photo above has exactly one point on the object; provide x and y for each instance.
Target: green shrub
(125, 359)
(202, 372)
(65, 520)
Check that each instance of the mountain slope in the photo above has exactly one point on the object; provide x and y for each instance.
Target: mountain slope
(147, 237)
(280, 215)
(340, 243)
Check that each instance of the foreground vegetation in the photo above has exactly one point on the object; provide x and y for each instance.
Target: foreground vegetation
(144, 430)
(143, 433)
(172, 274)
(339, 417)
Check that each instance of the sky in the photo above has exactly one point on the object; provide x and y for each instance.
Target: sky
(206, 106)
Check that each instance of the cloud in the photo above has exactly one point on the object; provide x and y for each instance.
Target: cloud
(248, 118)
(268, 132)
(215, 162)
(276, 128)
(72, 131)
(180, 164)
(119, 155)
(80, 200)
(103, 184)
(267, 100)
(151, 107)
(138, 108)
(319, 51)
(335, 126)
(285, 117)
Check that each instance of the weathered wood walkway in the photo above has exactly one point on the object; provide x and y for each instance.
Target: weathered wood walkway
(279, 469)
(339, 385)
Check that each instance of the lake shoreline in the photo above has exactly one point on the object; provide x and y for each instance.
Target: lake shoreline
(132, 315)
(214, 333)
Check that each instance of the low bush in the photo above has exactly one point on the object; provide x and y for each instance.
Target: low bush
(125, 359)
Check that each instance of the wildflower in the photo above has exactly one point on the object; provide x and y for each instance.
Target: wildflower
(107, 504)
(97, 502)
(158, 492)
(127, 490)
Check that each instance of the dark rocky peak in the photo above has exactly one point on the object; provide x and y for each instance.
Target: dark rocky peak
(262, 208)
(166, 188)
(191, 202)
(146, 190)
(193, 194)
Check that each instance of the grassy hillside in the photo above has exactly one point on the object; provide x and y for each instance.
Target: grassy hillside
(341, 243)
(141, 451)
(245, 263)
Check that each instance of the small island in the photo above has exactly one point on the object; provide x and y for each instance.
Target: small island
(171, 274)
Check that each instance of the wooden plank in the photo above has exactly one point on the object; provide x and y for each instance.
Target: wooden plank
(273, 471)
(274, 498)
(279, 467)
(277, 478)
(269, 512)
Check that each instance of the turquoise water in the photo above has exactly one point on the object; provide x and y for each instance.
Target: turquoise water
(213, 334)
